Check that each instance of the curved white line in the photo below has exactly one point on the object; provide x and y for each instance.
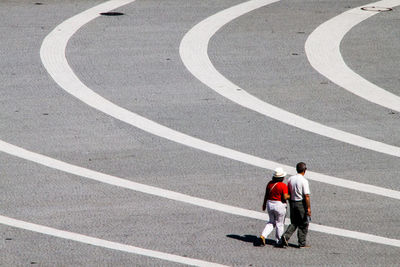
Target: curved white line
(116, 181)
(64, 76)
(53, 57)
(159, 192)
(52, 163)
(52, 53)
(102, 243)
(193, 51)
(323, 51)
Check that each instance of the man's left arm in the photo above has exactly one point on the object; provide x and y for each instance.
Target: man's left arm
(307, 197)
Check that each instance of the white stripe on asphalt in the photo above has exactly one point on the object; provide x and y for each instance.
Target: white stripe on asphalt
(102, 243)
(323, 51)
(159, 192)
(193, 51)
(116, 181)
(52, 53)
(53, 57)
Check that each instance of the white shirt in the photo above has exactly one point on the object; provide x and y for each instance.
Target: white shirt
(298, 187)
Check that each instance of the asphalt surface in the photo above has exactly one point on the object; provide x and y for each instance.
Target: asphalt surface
(133, 60)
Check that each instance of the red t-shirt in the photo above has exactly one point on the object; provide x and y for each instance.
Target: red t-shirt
(276, 192)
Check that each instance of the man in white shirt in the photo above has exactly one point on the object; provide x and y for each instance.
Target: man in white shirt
(300, 209)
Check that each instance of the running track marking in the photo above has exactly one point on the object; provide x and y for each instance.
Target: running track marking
(323, 51)
(193, 51)
(102, 243)
(159, 192)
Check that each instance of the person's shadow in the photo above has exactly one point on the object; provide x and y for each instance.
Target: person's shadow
(252, 239)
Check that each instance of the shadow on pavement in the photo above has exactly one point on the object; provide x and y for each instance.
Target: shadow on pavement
(252, 239)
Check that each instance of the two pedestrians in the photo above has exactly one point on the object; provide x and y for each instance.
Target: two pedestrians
(298, 193)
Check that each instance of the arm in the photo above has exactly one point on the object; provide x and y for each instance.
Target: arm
(286, 196)
(307, 197)
(265, 200)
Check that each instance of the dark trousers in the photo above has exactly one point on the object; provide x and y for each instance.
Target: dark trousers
(298, 220)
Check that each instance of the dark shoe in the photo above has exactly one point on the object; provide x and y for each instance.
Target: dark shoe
(284, 241)
(262, 240)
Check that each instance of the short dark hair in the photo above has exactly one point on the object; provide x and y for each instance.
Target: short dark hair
(301, 167)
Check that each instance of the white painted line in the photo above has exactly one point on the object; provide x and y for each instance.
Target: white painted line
(354, 235)
(193, 51)
(102, 243)
(116, 181)
(53, 57)
(159, 192)
(323, 51)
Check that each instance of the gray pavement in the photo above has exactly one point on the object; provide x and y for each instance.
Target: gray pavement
(133, 60)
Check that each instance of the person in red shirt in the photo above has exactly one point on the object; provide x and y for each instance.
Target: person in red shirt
(275, 198)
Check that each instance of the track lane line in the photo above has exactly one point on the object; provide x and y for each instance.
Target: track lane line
(323, 51)
(102, 243)
(172, 195)
(194, 54)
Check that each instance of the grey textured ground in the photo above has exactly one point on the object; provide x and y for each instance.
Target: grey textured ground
(133, 60)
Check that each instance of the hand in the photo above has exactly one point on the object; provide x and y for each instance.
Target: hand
(309, 212)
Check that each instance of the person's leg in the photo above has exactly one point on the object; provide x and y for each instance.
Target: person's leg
(303, 225)
(302, 234)
(288, 233)
(292, 227)
(280, 221)
(268, 229)
(270, 225)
